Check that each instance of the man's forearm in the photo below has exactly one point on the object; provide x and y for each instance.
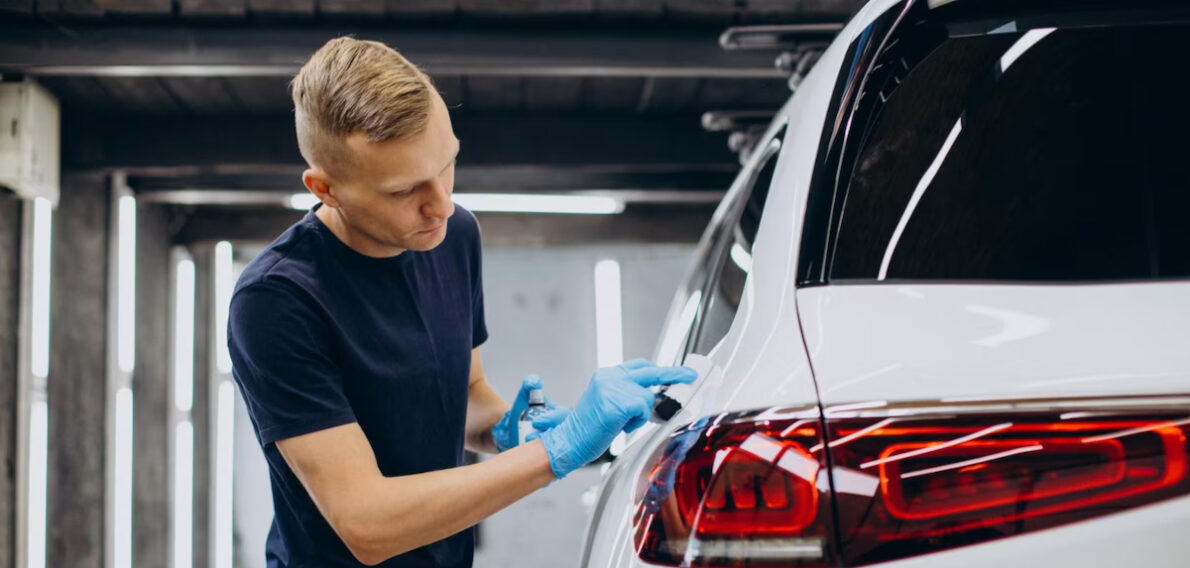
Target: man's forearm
(484, 410)
(399, 514)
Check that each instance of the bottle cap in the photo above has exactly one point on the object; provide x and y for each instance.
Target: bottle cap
(536, 397)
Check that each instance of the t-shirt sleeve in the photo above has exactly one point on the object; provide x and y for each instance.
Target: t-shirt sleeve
(479, 327)
(280, 353)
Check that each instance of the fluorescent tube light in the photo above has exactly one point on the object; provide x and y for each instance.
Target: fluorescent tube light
(38, 459)
(513, 203)
(184, 336)
(40, 289)
(609, 325)
(184, 494)
(533, 203)
(302, 201)
(126, 278)
(225, 443)
(122, 502)
(224, 283)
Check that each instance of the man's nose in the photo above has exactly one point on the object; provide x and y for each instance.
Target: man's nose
(439, 204)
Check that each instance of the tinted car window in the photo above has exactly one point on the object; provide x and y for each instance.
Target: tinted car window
(1054, 157)
(726, 285)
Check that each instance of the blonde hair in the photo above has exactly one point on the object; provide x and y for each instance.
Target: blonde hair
(351, 86)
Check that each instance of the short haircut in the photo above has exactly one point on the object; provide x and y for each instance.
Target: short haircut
(352, 86)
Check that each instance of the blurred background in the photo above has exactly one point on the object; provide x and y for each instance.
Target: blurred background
(148, 153)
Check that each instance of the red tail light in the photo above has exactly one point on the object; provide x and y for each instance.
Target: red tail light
(950, 479)
(750, 489)
(739, 490)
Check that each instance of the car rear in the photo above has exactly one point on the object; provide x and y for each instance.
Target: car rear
(992, 309)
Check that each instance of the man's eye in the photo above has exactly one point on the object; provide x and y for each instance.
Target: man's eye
(401, 193)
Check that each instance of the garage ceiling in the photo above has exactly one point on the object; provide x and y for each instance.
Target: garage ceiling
(547, 95)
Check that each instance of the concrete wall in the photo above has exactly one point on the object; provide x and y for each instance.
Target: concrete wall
(150, 384)
(10, 272)
(541, 318)
(77, 384)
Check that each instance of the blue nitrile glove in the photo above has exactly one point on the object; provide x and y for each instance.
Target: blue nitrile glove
(505, 433)
(615, 401)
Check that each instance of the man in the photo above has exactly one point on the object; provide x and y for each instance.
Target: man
(355, 340)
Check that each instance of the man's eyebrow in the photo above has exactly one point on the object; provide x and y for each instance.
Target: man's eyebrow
(444, 168)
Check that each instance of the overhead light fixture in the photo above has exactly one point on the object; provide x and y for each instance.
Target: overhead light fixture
(534, 203)
(513, 203)
(302, 201)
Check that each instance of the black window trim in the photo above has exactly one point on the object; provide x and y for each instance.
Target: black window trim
(769, 150)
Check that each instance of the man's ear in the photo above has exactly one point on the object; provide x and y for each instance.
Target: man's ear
(319, 184)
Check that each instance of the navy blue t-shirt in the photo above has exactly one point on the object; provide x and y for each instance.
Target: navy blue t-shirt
(322, 336)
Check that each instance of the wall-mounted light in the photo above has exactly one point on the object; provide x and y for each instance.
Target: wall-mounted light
(184, 335)
(224, 444)
(122, 504)
(183, 494)
(40, 292)
(126, 267)
(609, 325)
(121, 304)
(35, 386)
(222, 520)
(224, 283)
(183, 395)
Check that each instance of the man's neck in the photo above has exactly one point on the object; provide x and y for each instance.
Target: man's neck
(355, 240)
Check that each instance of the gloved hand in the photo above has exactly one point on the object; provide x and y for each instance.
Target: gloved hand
(505, 433)
(615, 400)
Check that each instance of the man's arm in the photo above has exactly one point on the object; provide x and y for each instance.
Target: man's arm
(379, 517)
(484, 409)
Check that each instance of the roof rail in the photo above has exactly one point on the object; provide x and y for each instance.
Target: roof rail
(778, 38)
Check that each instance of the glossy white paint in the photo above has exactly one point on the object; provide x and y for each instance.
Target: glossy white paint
(928, 342)
(891, 342)
(1152, 536)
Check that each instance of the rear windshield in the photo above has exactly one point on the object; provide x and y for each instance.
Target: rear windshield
(1053, 155)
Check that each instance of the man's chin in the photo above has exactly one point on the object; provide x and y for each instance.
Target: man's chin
(426, 241)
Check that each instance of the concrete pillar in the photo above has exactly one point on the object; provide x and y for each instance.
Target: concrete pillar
(10, 274)
(151, 378)
(77, 387)
(201, 413)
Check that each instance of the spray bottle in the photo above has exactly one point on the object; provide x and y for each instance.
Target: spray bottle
(536, 408)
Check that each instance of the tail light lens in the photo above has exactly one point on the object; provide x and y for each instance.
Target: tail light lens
(751, 489)
(737, 490)
(947, 480)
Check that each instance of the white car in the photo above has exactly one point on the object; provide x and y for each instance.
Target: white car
(948, 307)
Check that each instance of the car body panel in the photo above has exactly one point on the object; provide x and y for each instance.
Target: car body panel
(907, 342)
(1151, 536)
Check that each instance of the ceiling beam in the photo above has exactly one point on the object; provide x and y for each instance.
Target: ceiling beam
(182, 50)
(568, 147)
